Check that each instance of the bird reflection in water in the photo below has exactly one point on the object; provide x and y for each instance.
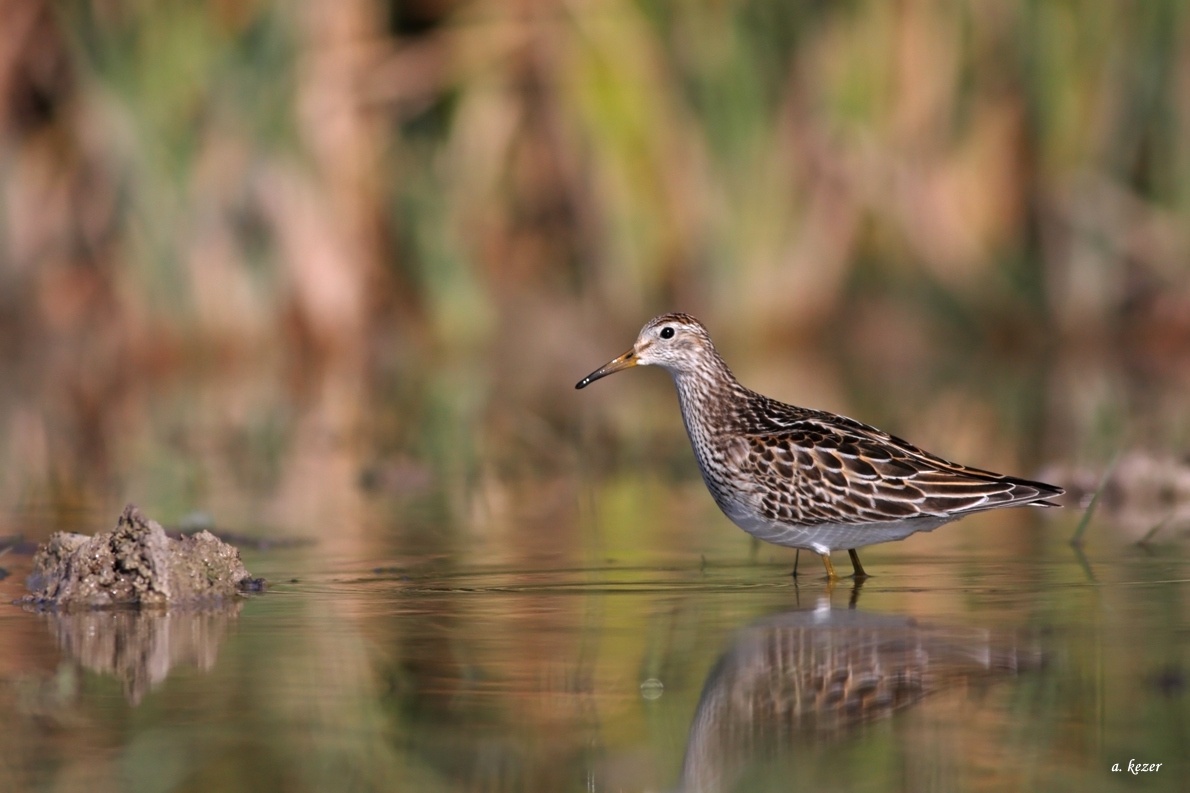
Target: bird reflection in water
(141, 647)
(810, 677)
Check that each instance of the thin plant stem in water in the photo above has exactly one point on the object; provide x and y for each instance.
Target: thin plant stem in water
(1077, 539)
(1145, 540)
(1082, 561)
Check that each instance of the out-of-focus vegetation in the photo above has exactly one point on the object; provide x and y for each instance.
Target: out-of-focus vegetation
(332, 267)
(408, 227)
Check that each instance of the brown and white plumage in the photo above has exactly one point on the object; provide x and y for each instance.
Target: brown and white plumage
(807, 478)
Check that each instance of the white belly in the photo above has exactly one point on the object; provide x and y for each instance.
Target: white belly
(829, 537)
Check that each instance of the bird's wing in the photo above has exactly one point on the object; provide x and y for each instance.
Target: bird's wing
(831, 469)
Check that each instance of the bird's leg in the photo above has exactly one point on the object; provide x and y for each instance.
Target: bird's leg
(795, 561)
(830, 568)
(856, 566)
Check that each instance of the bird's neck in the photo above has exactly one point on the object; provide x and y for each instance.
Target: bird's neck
(706, 393)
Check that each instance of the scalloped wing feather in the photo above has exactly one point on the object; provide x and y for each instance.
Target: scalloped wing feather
(822, 468)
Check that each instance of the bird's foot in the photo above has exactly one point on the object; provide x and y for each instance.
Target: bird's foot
(859, 574)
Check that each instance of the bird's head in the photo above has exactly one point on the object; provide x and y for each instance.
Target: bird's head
(676, 342)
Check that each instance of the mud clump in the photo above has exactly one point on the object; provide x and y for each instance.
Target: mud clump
(136, 565)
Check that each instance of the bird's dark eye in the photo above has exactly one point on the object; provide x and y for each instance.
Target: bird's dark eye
(667, 333)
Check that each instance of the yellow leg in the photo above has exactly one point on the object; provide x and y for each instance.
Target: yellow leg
(830, 568)
(856, 566)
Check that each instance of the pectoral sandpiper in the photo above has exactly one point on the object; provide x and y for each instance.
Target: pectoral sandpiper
(807, 478)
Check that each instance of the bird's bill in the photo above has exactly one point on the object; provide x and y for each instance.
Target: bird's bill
(625, 361)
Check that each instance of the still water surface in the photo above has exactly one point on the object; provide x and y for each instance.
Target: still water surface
(961, 670)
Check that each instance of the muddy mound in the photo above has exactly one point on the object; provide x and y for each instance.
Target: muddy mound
(137, 564)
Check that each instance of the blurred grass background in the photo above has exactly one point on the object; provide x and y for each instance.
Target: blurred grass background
(332, 267)
(293, 248)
